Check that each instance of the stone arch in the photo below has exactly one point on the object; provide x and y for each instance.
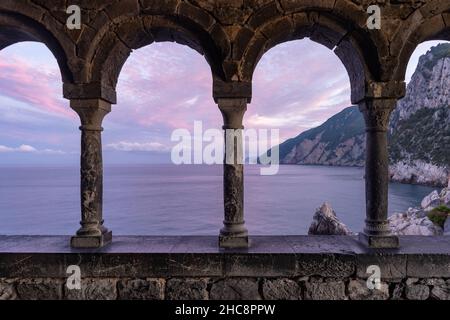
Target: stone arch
(359, 49)
(15, 28)
(127, 34)
(420, 29)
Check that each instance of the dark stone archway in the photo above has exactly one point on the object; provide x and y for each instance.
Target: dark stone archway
(232, 35)
(15, 28)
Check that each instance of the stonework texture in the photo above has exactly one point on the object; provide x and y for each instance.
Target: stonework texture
(232, 36)
(311, 288)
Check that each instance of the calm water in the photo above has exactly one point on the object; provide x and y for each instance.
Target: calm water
(167, 199)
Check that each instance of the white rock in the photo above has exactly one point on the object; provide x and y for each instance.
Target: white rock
(431, 200)
(419, 172)
(415, 220)
(325, 222)
(414, 226)
(445, 196)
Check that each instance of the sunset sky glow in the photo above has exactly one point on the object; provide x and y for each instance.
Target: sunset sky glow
(162, 87)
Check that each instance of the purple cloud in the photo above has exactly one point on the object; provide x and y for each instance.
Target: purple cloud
(166, 86)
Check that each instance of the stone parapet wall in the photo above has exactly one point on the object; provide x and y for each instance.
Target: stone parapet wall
(185, 268)
(234, 288)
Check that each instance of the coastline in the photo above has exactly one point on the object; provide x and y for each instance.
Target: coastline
(405, 174)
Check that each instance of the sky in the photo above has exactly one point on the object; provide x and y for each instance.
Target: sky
(163, 87)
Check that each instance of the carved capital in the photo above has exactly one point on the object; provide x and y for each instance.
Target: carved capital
(91, 112)
(93, 90)
(379, 90)
(377, 113)
(232, 90)
(233, 111)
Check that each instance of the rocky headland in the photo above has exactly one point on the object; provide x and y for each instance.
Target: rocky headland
(419, 130)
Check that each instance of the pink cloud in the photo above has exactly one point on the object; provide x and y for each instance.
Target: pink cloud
(36, 86)
(166, 86)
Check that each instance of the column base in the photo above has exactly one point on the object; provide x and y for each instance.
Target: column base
(91, 241)
(379, 242)
(233, 241)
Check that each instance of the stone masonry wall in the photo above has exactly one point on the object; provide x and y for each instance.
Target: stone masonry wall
(303, 288)
(194, 268)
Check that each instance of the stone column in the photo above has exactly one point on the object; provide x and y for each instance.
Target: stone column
(377, 233)
(92, 234)
(233, 234)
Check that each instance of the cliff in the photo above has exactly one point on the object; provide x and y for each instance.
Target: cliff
(419, 131)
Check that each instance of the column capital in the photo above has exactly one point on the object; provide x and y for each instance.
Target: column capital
(91, 112)
(377, 112)
(91, 90)
(380, 90)
(233, 110)
(232, 89)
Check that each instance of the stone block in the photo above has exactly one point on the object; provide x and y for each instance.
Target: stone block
(281, 289)
(326, 265)
(140, 289)
(398, 290)
(441, 292)
(417, 292)
(93, 289)
(40, 289)
(429, 265)
(392, 266)
(186, 289)
(7, 290)
(235, 289)
(358, 290)
(328, 290)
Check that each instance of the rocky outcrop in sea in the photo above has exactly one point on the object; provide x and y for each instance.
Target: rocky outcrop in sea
(419, 172)
(325, 222)
(416, 221)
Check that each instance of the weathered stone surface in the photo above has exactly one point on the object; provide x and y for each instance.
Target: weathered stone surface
(411, 281)
(412, 224)
(417, 292)
(140, 289)
(281, 289)
(186, 289)
(40, 289)
(93, 289)
(92, 234)
(325, 222)
(7, 290)
(429, 266)
(326, 265)
(397, 291)
(432, 200)
(392, 266)
(358, 290)
(441, 292)
(235, 289)
(233, 234)
(433, 282)
(149, 267)
(327, 290)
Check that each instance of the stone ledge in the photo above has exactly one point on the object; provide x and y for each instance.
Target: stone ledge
(199, 256)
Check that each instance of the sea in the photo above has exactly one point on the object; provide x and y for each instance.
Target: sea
(168, 199)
